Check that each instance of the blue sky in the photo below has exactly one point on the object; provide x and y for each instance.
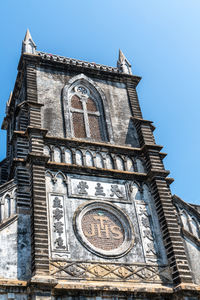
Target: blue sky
(159, 37)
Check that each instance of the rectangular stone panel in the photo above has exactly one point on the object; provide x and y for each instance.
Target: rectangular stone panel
(97, 188)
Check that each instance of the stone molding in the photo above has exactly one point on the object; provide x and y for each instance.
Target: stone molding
(108, 271)
(111, 209)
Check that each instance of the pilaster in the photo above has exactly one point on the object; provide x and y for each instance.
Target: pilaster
(37, 161)
(31, 83)
(40, 256)
(171, 233)
(157, 177)
(133, 98)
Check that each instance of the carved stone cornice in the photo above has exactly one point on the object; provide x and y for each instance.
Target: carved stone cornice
(72, 142)
(96, 171)
(145, 122)
(187, 287)
(156, 173)
(28, 103)
(151, 147)
(36, 158)
(36, 130)
(74, 65)
(125, 287)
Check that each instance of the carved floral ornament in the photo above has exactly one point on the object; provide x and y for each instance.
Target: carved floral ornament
(103, 229)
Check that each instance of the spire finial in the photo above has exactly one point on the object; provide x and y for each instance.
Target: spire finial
(8, 102)
(123, 64)
(28, 45)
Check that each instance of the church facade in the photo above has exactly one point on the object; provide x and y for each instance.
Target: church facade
(86, 209)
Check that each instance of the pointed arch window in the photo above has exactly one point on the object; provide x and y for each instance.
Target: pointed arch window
(86, 114)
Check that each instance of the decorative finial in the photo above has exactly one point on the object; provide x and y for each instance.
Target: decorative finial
(28, 45)
(123, 64)
(8, 102)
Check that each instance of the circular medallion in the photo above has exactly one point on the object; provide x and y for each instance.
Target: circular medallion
(82, 90)
(103, 229)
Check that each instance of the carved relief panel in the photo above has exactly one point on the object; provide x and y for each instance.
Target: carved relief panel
(93, 219)
(93, 188)
(103, 229)
(58, 226)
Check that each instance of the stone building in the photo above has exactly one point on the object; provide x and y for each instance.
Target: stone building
(86, 209)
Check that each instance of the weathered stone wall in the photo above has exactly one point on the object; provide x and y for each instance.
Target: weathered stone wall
(24, 248)
(69, 196)
(15, 248)
(189, 221)
(193, 253)
(120, 112)
(8, 251)
(76, 249)
(13, 296)
(50, 85)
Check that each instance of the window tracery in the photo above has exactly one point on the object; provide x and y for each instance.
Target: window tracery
(85, 114)
(7, 205)
(85, 109)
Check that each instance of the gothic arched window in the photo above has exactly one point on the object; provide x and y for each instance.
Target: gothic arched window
(85, 110)
(86, 115)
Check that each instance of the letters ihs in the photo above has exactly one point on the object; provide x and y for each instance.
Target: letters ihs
(102, 229)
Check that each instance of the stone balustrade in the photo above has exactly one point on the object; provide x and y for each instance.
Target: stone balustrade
(97, 159)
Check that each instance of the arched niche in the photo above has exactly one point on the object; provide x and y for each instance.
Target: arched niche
(185, 220)
(85, 110)
(68, 156)
(129, 165)
(57, 155)
(89, 159)
(109, 162)
(135, 191)
(99, 160)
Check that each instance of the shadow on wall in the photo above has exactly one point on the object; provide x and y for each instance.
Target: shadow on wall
(132, 137)
(24, 248)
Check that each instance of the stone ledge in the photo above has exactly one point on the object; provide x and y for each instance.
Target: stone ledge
(12, 282)
(114, 286)
(100, 171)
(158, 173)
(144, 122)
(28, 103)
(43, 280)
(187, 287)
(84, 142)
(36, 130)
(37, 158)
(151, 147)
